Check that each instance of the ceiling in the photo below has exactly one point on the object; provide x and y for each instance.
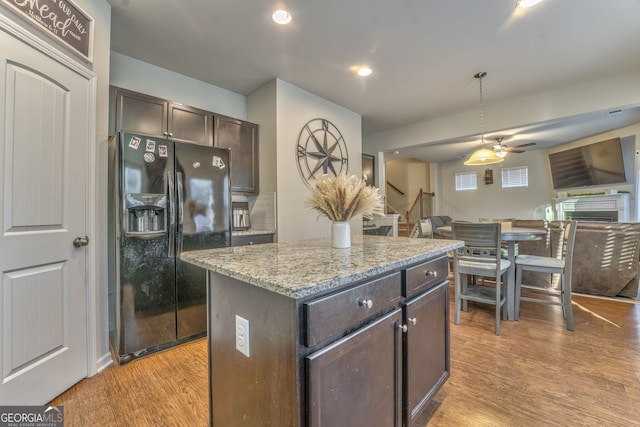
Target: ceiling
(423, 53)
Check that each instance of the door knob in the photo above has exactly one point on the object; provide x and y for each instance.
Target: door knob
(81, 241)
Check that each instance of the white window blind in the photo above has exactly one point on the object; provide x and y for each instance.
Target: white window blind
(466, 181)
(515, 177)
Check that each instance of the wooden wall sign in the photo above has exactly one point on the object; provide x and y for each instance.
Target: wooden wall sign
(488, 176)
(61, 19)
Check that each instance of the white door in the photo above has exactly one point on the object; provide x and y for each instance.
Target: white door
(44, 137)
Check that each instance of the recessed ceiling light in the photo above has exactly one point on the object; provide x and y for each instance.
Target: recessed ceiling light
(281, 17)
(364, 71)
(527, 3)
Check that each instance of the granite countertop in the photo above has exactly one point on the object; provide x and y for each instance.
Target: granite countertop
(251, 232)
(304, 268)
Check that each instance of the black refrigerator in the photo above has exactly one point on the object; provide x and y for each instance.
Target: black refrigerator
(165, 197)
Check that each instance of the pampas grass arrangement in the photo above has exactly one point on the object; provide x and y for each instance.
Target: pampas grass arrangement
(340, 198)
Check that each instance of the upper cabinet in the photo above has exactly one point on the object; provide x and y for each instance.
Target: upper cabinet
(190, 124)
(139, 113)
(242, 138)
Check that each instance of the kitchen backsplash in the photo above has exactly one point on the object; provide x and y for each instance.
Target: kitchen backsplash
(262, 209)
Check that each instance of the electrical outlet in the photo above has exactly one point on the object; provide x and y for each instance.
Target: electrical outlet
(242, 335)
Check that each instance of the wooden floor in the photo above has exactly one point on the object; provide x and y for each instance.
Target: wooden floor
(535, 373)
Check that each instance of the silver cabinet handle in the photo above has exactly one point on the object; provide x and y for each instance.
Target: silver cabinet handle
(365, 303)
(81, 241)
(403, 328)
(412, 320)
(431, 273)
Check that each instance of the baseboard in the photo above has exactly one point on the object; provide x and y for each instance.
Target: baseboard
(104, 361)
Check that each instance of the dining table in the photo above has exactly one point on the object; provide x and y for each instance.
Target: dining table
(511, 236)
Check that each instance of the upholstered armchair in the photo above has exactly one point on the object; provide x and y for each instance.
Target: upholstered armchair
(439, 221)
(605, 259)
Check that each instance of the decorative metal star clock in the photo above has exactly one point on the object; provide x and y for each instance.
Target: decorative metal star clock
(321, 150)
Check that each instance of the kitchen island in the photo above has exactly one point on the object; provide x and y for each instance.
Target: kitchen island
(301, 334)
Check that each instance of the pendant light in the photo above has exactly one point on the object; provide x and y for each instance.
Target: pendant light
(526, 3)
(483, 156)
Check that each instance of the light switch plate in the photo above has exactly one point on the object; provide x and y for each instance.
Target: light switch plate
(242, 335)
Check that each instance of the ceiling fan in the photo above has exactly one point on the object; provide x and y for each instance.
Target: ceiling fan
(502, 149)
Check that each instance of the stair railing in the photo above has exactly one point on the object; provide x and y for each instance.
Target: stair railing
(419, 203)
(395, 188)
(390, 209)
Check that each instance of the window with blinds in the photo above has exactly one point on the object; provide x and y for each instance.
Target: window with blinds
(515, 177)
(466, 181)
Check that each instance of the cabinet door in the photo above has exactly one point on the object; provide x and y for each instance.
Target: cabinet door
(242, 138)
(138, 113)
(426, 348)
(190, 124)
(356, 381)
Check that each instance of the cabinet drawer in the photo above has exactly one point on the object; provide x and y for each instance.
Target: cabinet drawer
(336, 313)
(255, 239)
(425, 275)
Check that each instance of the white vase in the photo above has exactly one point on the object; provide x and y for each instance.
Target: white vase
(341, 234)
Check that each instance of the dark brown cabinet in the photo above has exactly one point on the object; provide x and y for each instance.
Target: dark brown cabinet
(356, 380)
(338, 374)
(242, 138)
(190, 124)
(426, 348)
(370, 353)
(136, 112)
(253, 239)
(139, 113)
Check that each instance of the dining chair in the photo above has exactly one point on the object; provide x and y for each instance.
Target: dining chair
(541, 246)
(559, 265)
(415, 231)
(479, 257)
(385, 230)
(507, 223)
(426, 229)
(422, 228)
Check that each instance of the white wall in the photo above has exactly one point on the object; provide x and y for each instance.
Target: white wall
(409, 176)
(532, 202)
(603, 94)
(558, 103)
(261, 109)
(100, 11)
(493, 201)
(295, 107)
(133, 74)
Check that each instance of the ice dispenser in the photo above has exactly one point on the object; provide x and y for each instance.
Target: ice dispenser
(146, 213)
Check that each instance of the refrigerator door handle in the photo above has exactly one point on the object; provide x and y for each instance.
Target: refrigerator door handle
(172, 215)
(179, 184)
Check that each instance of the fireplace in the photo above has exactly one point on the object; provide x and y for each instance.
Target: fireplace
(604, 216)
(609, 207)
